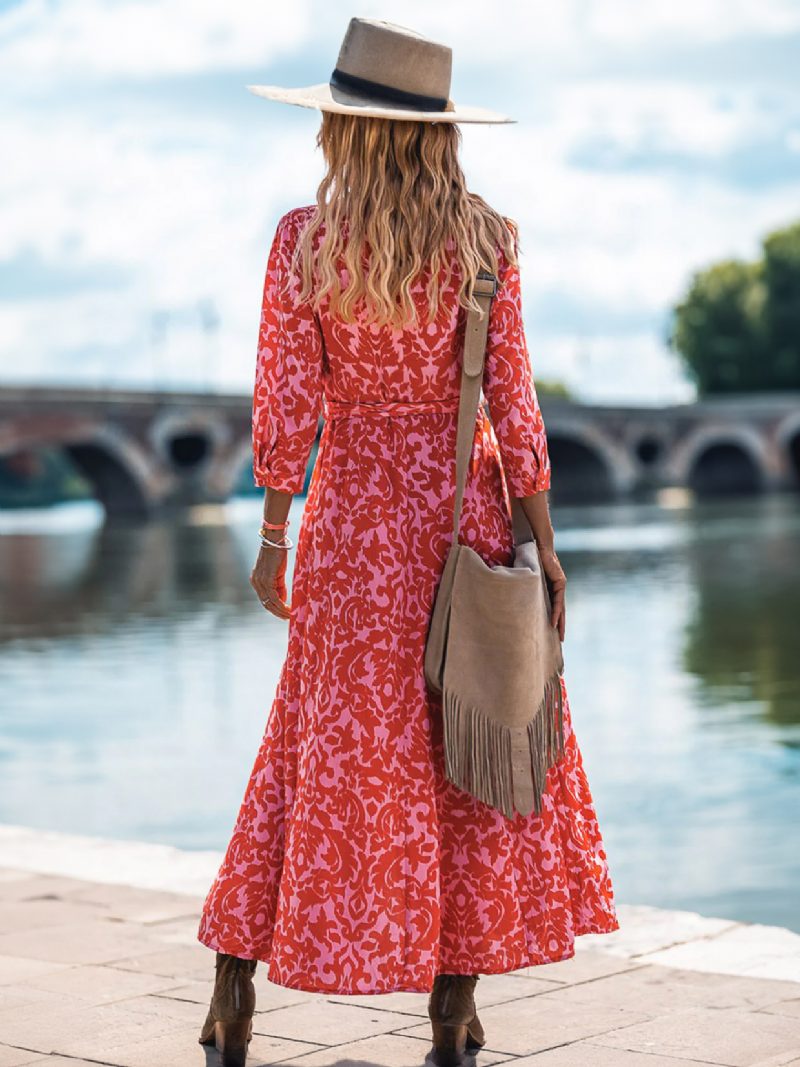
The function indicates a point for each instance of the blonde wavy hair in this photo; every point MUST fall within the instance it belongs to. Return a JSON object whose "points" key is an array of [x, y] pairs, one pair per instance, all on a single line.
{"points": [[396, 189]]}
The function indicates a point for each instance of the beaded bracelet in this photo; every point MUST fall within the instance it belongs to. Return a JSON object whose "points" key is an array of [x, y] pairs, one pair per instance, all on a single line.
{"points": [[274, 525]]}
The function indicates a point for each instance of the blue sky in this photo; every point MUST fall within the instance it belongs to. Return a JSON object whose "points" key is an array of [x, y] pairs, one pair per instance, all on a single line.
{"points": [[141, 183]]}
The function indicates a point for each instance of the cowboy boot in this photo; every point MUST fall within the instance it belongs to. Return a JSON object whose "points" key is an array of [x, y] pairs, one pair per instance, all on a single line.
{"points": [[475, 1036], [456, 1027], [229, 1023]]}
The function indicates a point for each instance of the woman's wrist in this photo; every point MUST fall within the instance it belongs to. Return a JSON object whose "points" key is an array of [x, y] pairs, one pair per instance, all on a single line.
{"points": [[275, 534]]}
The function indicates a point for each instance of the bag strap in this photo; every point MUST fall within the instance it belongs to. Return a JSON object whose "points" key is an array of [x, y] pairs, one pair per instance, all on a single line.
{"points": [[472, 363]]}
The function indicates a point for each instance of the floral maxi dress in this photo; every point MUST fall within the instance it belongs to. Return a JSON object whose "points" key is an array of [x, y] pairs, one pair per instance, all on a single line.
{"points": [[354, 865]]}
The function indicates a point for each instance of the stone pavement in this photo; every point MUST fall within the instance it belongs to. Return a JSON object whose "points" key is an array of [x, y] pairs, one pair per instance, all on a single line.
{"points": [[100, 973]]}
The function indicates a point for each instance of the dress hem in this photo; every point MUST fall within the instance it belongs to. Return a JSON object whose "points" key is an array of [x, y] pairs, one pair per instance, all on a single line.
{"points": [[216, 944]]}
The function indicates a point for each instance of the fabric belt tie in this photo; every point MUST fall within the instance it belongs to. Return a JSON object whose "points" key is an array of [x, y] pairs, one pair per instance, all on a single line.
{"points": [[337, 408]]}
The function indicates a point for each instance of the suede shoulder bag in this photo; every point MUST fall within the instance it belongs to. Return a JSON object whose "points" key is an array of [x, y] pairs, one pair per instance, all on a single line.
{"points": [[491, 652]]}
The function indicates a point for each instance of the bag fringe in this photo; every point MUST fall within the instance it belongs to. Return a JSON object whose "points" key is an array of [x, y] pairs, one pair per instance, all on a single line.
{"points": [[478, 749]]}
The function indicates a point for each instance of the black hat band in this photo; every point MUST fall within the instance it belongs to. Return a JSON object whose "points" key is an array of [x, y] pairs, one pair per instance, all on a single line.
{"points": [[351, 82]]}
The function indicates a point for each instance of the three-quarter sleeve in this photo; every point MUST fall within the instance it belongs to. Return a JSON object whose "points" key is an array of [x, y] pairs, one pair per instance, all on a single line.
{"points": [[510, 391], [287, 399]]}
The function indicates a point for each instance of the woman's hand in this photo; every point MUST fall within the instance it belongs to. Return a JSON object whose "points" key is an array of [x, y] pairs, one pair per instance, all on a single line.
{"points": [[268, 578], [557, 581]]}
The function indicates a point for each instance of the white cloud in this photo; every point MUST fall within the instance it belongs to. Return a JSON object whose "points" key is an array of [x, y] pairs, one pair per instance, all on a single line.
{"points": [[573, 29], [662, 116], [45, 41], [186, 224], [629, 22], [176, 205], [144, 38], [635, 369]]}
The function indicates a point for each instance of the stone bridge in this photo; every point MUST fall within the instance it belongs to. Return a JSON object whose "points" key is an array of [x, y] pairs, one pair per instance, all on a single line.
{"points": [[149, 452]]}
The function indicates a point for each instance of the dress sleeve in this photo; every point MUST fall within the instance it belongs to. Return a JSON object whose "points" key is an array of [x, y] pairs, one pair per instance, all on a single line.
{"points": [[287, 399], [510, 391]]}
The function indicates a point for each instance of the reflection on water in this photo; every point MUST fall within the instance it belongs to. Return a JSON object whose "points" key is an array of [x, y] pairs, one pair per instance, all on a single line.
{"points": [[137, 669]]}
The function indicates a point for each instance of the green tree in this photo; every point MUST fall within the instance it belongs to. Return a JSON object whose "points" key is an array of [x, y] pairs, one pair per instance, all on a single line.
{"points": [[738, 327], [782, 306], [552, 387]]}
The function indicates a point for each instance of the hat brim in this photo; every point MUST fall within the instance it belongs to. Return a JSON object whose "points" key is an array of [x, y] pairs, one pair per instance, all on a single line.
{"points": [[326, 98]]}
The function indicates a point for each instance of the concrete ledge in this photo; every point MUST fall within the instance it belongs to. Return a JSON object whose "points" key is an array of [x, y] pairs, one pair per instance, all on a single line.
{"points": [[96, 859]]}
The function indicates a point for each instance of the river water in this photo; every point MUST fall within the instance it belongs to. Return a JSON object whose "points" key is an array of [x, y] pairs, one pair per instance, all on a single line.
{"points": [[137, 670]]}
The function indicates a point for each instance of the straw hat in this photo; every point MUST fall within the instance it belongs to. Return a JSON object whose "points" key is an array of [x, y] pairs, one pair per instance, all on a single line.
{"points": [[386, 71]]}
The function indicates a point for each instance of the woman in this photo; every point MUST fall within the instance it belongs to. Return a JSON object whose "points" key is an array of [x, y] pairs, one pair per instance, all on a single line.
{"points": [[355, 866]]}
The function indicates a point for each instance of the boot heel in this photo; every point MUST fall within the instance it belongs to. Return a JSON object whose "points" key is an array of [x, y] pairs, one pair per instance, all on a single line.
{"points": [[450, 1043], [232, 1041], [475, 1035], [229, 1023]]}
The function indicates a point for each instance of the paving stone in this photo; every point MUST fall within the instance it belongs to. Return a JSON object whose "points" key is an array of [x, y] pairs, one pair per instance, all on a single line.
{"points": [[411, 1004], [182, 1012], [777, 1061], [181, 1049], [161, 1048], [61, 1061], [182, 961], [734, 1037], [328, 1024], [64, 1061], [139, 905], [388, 1050], [523, 1027], [22, 885], [659, 990], [17, 997], [587, 1054], [496, 988], [270, 1050], [14, 969], [181, 931], [491, 989], [77, 1029], [270, 996], [86, 942], [790, 1006], [133, 1041], [195, 992], [584, 966], [15, 1057], [120, 903], [99, 985], [39, 914]]}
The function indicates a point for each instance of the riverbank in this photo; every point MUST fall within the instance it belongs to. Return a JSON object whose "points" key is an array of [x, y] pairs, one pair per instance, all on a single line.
{"points": [[99, 964]]}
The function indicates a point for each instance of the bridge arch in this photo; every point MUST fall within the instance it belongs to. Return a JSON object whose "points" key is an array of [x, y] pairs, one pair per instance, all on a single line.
{"points": [[187, 441], [722, 461], [586, 465], [117, 469]]}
